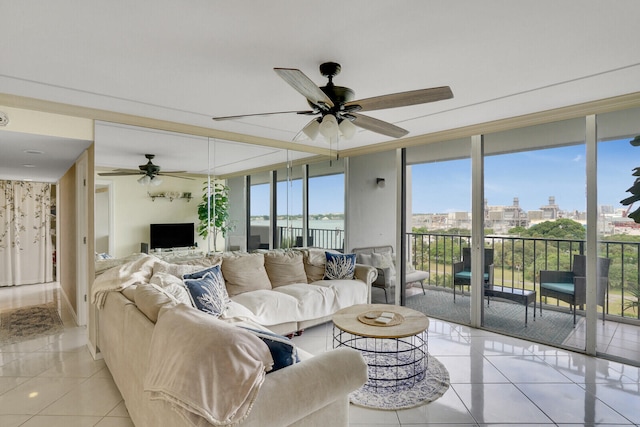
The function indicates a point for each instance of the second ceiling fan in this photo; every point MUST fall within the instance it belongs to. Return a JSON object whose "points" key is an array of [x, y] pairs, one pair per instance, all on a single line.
{"points": [[338, 111]]}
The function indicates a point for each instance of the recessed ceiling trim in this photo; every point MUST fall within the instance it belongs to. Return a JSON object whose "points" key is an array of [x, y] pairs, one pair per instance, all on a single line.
{"points": [[133, 120], [602, 106]]}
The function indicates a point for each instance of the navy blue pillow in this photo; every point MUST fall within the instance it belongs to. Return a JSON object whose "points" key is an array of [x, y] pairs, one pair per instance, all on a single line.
{"points": [[283, 352], [339, 266], [207, 290]]}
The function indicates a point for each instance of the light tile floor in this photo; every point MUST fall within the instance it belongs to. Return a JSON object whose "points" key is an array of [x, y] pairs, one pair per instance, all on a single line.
{"points": [[495, 380]]}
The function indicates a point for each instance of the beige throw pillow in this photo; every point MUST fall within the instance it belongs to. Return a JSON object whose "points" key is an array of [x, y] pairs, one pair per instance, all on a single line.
{"points": [[150, 299], [285, 268], [245, 273], [314, 260]]}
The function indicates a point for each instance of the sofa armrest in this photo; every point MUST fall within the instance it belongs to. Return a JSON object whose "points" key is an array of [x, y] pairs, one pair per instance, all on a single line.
{"points": [[292, 393], [366, 273]]}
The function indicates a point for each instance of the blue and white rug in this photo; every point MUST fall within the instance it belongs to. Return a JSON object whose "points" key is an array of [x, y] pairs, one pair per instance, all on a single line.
{"points": [[432, 385]]}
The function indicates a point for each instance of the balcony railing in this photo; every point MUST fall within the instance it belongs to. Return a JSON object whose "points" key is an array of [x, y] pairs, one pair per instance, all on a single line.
{"points": [[318, 237], [518, 261]]}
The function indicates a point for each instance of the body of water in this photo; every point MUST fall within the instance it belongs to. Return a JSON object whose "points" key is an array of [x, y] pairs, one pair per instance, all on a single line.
{"points": [[328, 224]]}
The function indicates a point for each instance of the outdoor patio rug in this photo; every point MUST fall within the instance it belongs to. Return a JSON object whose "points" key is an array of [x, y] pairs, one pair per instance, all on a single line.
{"points": [[432, 385], [500, 316], [29, 322]]}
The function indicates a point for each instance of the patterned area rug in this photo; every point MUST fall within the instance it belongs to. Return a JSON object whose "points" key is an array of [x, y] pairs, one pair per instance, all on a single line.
{"points": [[430, 386], [500, 316], [29, 322]]}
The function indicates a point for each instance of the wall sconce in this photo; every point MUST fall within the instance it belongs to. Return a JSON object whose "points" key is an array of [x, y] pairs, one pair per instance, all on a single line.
{"points": [[380, 182]]}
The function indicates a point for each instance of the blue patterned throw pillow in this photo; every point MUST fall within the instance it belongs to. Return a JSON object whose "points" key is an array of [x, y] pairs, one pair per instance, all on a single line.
{"points": [[283, 351], [339, 266], [207, 290]]}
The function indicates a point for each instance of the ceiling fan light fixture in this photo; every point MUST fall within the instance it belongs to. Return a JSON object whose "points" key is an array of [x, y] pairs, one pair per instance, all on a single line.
{"points": [[311, 129], [347, 129], [156, 180], [144, 180], [329, 126]]}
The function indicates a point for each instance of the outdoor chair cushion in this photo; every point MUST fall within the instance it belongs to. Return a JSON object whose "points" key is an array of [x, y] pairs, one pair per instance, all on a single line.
{"points": [[565, 288], [466, 275]]}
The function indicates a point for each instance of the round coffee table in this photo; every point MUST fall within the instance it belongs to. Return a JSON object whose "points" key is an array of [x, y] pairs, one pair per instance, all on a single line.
{"points": [[395, 352]]}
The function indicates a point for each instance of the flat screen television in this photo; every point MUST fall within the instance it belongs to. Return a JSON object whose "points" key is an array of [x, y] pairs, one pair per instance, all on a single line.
{"points": [[176, 235]]}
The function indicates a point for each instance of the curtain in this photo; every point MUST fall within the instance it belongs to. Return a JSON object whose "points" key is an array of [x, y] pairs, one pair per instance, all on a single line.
{"points": [[25, 233]]}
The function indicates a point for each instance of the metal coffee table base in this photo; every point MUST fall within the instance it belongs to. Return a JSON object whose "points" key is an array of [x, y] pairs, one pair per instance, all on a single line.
{"points": [[394, 363]]}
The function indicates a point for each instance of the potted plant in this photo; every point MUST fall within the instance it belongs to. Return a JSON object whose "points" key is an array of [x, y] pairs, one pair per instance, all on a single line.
{"points": [[213, 212]]}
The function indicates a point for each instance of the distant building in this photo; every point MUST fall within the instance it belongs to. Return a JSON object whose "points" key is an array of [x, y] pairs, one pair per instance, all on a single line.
{"points": [[550, 211], [503, 218], [535, 216]]}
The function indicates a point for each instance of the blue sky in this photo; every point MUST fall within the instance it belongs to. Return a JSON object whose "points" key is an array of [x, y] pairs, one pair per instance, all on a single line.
{"points": [[532, 176], [326, 195]]}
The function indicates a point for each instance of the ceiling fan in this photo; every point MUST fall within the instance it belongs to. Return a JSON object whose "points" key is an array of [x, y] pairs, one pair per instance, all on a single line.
{"points": [[338, 112], [149, 171]]}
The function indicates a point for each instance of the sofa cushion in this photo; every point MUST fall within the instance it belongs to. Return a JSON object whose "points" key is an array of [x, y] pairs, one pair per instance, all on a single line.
{"points": [[339, 266], [285, 268], [282, 349], [245, 273], [207, 290], [312, 302], [150, 299], [268, 307], [346, 292], [173, 285]]}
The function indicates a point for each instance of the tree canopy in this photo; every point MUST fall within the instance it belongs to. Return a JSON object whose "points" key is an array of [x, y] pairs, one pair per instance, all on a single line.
{"points": [[559, 229]]}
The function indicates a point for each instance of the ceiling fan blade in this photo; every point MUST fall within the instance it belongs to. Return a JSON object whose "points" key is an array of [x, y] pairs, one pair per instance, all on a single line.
{"points": [[304, 85], [121, 173], [175, 176], [378, 126], [263, 114], [403, 99]]}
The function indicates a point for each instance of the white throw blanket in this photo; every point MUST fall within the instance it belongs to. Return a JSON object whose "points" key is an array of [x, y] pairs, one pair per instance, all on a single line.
{"points": [[208, 370], [118, 278]]}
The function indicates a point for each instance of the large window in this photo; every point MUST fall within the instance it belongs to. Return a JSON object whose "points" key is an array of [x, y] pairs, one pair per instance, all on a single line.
{"points": [[260, 211], [326, 205], [535, 219], [618, 233], [289, 207], [438, 226]]}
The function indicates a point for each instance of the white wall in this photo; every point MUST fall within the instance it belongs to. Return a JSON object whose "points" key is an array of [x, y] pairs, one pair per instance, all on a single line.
{"points": [[134, 210], [371, 211]]}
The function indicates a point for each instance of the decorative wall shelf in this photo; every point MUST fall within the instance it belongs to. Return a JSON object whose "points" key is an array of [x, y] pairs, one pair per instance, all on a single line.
{"points": [[171, 195]]}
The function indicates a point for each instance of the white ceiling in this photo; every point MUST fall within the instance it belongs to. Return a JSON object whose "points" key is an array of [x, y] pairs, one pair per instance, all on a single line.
{"points": [[187, 61]]}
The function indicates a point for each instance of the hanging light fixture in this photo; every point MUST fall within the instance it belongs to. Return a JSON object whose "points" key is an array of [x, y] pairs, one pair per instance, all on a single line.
{"points": [[144, 180], [347, 129], [156, 180], [311, 129], [329, 126]]}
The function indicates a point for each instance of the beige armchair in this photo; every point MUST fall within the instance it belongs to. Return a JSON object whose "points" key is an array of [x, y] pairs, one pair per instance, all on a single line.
{"points": [[382, 258]]}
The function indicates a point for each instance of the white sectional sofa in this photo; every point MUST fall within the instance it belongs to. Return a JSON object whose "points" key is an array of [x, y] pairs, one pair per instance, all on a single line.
{"points": [[138, 303]]}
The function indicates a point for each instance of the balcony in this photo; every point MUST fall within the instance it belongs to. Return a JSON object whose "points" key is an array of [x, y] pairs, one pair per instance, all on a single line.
{"points": [[517, 263]]}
